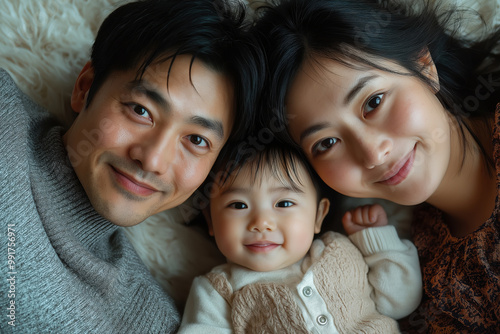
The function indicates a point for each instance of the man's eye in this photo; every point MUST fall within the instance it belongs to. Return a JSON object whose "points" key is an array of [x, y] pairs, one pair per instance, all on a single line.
{"points": [[373, 103], [140, 110], [324, 145], [198, 141], [284, 204], [238, 205]]}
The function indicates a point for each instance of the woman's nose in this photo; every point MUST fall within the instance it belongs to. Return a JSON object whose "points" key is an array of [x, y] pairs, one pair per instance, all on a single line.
{"points": [[375, 149]]}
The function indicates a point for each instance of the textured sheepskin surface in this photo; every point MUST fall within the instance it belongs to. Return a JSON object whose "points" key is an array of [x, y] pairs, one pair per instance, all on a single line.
{"points": [[45, 43]]}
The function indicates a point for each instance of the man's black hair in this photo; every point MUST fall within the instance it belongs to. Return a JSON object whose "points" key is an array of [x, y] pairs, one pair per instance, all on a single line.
{"points": [[139, 34]]}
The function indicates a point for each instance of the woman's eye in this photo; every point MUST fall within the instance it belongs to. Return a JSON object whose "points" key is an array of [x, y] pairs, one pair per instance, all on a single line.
{"points": [[238, 205], [324, 145], [198, 141], [373, 103], [284, 204]]}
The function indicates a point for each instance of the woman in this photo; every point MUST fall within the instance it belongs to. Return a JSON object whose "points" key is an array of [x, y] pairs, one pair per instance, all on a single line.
{"points": [[386, 103]]}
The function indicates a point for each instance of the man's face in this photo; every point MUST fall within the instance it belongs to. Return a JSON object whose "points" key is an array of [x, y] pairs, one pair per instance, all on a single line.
{"points": [[141, 147]]}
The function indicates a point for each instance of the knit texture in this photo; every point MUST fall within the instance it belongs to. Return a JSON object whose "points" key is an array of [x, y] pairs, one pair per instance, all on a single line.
{"points": [[261, 308], [353, 309], [340, 274], [74, 271]]}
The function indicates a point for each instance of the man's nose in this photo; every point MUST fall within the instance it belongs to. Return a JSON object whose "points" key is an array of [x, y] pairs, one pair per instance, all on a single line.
{"points": [[155, 152]]}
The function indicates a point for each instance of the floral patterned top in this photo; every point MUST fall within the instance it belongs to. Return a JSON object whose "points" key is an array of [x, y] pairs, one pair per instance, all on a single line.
{"points": [[461, 275]]}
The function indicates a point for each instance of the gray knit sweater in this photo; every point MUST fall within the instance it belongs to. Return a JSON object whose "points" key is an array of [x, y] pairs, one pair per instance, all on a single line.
{"points": [[63, 268]]}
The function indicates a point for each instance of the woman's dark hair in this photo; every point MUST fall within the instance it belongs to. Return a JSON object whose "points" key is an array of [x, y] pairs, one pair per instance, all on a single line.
{"points": [[215, 32], [279, 159], [353, 31]]}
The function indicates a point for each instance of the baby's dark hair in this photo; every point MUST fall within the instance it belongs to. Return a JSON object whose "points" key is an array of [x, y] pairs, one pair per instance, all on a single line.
{"points": [[280, 159]]}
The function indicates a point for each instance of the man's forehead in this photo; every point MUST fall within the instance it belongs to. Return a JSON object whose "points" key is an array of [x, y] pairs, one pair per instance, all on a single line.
{"points": [[162, 66]]}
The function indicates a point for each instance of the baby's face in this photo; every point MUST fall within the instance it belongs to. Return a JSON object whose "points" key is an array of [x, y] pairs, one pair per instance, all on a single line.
{"points": [[263, 223]]}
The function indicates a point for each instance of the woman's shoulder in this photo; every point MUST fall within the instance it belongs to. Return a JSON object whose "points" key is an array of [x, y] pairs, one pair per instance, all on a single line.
{"points": [[433, 238]]}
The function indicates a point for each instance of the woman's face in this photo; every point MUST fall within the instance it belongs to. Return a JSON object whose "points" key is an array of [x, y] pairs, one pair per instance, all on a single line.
{"points": [[371, 133]]}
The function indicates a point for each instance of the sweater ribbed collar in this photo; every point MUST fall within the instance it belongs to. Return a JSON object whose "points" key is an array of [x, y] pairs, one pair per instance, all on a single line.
{"points": [[67, 214]]}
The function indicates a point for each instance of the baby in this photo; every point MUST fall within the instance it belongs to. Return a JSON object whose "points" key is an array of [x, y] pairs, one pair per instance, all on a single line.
{"points": [[280, 279]]}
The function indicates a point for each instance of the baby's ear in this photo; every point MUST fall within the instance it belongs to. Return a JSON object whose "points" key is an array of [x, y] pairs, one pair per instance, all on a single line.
{"points": [[429, 70], [323, 208]]}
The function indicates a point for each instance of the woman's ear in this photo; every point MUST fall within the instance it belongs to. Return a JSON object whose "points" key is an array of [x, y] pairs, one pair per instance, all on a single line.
{"points": [[428, 69], [323, 208], [81, 88]]}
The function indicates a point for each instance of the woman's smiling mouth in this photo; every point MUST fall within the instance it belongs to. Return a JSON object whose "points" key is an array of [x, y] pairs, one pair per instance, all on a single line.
{"points": [[400, 171]]}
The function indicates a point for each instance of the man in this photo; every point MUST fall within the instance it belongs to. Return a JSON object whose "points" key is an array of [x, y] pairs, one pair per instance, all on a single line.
{"points": [[168, 83]]}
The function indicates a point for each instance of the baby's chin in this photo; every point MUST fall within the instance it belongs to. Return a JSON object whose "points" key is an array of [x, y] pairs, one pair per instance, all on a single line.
{"points": [[267, 267]]}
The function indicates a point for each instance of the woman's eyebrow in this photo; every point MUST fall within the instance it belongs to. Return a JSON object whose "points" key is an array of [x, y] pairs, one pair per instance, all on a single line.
{"points": [[358, 87], [311, 130]]}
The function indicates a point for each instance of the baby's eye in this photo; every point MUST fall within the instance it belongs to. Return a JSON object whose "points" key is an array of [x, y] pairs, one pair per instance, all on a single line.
{"points": [[198, 141], [373, 103], [324, 145], [284, 204], [238, 205]]}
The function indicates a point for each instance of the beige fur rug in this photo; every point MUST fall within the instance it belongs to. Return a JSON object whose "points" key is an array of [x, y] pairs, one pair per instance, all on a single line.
{"points": [[44, 44]]}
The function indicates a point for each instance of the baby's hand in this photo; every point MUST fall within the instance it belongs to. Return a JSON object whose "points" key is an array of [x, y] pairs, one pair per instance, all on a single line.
{"points": [[364, 216]]}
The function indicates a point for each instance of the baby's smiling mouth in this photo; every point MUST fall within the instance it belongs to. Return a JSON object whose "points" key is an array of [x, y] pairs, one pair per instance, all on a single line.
{"points": [[263, 246]]}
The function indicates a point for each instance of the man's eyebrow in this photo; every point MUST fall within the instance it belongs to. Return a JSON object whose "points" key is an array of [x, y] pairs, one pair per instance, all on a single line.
{"points": [[142, 87], [311, 130], [357, 88], [209, 124]]}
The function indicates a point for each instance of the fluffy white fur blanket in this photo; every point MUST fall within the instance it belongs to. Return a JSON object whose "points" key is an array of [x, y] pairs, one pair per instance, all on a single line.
{"points": [[45, 43]]}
